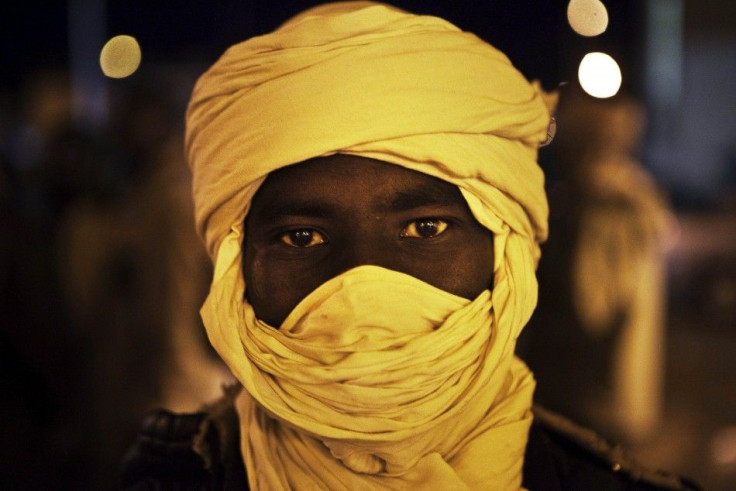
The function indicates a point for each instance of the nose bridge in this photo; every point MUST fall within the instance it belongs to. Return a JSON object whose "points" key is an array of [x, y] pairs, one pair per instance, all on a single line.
{"points": [[365, 247]]}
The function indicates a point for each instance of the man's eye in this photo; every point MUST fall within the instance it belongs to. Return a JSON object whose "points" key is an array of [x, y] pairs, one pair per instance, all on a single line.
{"points": [[305, 237], [424, 228]]}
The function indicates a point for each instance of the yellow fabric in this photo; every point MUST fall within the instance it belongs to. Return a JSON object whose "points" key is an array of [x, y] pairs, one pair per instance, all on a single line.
{"points": [[369, 80], [375, 379]]}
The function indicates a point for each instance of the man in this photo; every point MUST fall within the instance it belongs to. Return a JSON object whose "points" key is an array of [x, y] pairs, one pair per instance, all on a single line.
{"points": [[366, 183]]}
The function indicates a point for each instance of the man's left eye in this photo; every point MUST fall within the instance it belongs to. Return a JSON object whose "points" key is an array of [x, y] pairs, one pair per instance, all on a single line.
{"points": [[424, 228], [302, 238]]}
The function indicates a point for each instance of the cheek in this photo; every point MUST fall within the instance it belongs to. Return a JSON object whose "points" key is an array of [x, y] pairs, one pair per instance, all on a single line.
{"points": [[464, 269], [484, 272], [260, 284], [472, 270], [275, 286], [255, 279]]}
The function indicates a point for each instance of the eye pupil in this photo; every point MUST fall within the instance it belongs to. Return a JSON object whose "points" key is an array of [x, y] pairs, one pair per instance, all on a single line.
{"points": [[427, 228], [301, 238]]}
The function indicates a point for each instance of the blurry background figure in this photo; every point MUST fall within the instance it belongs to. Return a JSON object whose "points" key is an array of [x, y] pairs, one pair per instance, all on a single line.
{"points": [[43, 365], [146, 245], [102, 278], [603, 278], [134, 274], [618, 267]]}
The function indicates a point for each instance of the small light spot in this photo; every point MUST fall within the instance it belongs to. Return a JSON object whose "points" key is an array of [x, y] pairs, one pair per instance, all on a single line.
{"points": [[551, 132], [587, 17], [599, 75], [120, 57]]}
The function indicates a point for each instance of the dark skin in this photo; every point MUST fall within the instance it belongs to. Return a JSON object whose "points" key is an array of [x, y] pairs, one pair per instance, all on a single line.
{"points": [[311, 222]]}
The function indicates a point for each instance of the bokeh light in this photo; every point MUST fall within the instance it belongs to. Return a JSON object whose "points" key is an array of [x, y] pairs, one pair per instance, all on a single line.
{"points": [[599, 75], [120, 57], [587, 17]]}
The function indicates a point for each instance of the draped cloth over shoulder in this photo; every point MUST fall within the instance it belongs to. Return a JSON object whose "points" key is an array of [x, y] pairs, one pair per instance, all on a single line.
{"points": [[370, 80]]}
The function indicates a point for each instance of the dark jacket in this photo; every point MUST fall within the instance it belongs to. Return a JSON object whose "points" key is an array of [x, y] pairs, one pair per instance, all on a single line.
{"points": [[201, 451]]}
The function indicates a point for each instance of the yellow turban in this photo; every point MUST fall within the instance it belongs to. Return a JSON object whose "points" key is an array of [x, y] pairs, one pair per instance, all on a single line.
{"points": [[369, 80]]}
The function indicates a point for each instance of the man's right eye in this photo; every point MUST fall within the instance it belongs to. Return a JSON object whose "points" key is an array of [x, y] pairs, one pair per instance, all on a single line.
{"points": [[305, 237]]}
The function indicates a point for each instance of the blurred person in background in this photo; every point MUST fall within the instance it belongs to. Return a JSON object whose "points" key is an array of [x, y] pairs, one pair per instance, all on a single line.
{"points": [[134, 274], [602, 284], [43, 359], [102, 278]]}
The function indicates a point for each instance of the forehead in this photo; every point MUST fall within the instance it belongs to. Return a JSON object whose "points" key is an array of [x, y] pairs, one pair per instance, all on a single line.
{"points": [[346, 180]]}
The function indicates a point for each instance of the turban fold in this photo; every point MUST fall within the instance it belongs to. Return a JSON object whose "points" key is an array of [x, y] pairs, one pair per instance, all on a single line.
{"points": [[370, 80]]}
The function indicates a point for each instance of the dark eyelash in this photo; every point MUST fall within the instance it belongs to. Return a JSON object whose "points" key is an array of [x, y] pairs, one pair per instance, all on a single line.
{"points": [[278, 236], [448, 221]]}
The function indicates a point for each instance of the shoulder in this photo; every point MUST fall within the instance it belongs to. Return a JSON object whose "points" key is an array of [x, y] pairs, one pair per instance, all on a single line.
{"points": [[200, 451], [563, 455], [195, 451]]}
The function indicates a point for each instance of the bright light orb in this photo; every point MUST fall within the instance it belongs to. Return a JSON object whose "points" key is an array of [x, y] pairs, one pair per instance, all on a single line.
{"points": [[587, 17], [599, 75], [120, 57]]}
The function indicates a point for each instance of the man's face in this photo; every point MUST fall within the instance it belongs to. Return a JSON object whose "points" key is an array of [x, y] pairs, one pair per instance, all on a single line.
{"points": [[311, 222]]}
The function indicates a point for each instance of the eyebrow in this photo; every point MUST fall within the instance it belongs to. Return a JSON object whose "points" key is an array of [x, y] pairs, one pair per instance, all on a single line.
{"points": [[296, 208], [434, 194], [431, 194]]}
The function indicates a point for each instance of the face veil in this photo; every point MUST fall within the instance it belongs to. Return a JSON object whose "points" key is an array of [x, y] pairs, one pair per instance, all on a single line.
{"points": [[369, 80]]}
